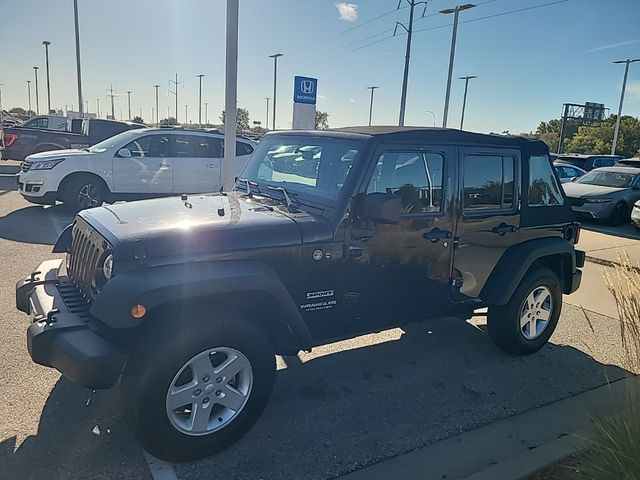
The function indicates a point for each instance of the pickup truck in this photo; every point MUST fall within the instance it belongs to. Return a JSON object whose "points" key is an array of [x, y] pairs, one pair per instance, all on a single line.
{"points": [[19, 142]]}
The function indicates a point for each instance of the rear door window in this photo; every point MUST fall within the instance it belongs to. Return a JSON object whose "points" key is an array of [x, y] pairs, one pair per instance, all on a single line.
{"points": [[489, 182]]}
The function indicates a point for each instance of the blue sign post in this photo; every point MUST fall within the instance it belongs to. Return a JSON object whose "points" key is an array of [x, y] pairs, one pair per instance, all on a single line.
{"points": [[305, 90]]}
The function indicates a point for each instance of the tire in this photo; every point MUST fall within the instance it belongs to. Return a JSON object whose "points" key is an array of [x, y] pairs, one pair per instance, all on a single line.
{"points": [[83, 191], [153, 373], [620, 214], [505, 323]]}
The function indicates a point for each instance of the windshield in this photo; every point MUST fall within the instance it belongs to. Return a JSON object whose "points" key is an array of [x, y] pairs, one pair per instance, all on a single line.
{"points": [[308, 165], [114, 142], [607, 179]]}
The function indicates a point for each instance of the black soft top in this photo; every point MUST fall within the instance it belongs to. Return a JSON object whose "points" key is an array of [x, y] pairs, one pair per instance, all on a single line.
{"points": [[393, 134]]}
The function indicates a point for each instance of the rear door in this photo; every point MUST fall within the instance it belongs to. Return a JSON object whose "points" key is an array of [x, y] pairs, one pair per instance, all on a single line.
{"points": [[148, 170], [489, 213], [197, 163]]}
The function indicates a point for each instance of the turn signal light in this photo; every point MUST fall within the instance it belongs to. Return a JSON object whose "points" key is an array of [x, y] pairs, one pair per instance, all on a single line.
{"points": [[138, 310]]}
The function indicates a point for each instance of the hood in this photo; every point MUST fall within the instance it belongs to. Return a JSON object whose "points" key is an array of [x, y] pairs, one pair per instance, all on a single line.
{"points": [[578, 190], [57, 154], [200, 225]]}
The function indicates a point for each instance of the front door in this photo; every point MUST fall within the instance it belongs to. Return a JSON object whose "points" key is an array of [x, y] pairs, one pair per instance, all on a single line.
{"points": [[397, 271], [490, 219], [197, 163], [148, 170]]}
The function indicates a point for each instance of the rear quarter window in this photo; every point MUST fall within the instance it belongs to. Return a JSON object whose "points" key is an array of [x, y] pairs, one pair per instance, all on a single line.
{"points": [[543, 186]]}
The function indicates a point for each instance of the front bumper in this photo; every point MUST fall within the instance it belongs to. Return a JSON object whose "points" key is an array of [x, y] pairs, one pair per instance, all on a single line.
{"points": [[63, 334], [635, 215], [36, 190], [576, 275], [594, 211]]}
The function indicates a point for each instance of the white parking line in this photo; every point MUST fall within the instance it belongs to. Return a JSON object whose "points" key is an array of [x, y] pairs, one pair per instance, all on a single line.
{"points": [[160, 470]]}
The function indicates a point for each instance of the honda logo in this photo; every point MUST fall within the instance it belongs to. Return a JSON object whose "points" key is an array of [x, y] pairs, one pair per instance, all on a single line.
{"points": [[306, 86]]}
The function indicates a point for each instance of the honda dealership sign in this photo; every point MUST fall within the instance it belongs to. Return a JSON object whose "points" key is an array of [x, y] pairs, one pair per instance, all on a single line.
{"points": [[304, 102]]}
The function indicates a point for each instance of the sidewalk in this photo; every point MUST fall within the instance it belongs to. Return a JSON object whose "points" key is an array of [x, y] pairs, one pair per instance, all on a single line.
{"points": [[605, 247]]}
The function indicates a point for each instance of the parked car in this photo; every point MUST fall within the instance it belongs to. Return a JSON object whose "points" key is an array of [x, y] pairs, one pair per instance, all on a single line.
{"points": [[635, 215], [131, 165], [47, 122], [588, 162], [20, 142], [567, 172], [629, 162], [189, 298], [605, 193]]}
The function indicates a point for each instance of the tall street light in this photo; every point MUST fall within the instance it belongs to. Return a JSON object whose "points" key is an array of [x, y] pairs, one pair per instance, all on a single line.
{"points": [[129, 103], [464, 100], [266, 124], [275, 79], [29, 92], [157, 110], [200, 101], [624, 86], [456, 11], [371, 103], [206, 113], [230, 96], [35, 72], [78, 74], [46, 56]]}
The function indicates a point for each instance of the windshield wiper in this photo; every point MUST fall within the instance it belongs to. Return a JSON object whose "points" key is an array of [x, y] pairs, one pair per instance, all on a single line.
{"points": [[286, 196], [249, 183]]}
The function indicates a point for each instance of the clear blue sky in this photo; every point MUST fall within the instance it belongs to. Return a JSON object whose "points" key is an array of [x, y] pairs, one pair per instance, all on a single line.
{"points": [[528, 63]]}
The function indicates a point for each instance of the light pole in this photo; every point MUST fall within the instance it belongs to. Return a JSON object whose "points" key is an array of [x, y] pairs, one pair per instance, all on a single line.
{"points": [[35, 71], [186, 114], [157, 110], [29, 92], [200, 100], [78, 74], [97, 108], [371, 103], [275, 78], [266, 124], [230, 96], [464, 100], [434, 117], [206, 113], [46, 57], [456, 11], [129, 103], [627, 62]]}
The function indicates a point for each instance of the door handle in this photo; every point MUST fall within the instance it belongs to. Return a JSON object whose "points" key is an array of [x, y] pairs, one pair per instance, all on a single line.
{"points": [[164, 165], [436, 234], [503, 229]]}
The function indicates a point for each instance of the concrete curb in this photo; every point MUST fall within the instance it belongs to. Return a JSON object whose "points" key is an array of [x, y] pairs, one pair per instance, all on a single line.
{"points": [[512, 448]]}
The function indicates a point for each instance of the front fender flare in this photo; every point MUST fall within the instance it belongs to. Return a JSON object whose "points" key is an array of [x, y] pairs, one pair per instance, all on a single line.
{"points": [[155, 286]]}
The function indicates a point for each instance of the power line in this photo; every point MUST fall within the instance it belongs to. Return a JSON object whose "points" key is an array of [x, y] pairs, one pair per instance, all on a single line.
{"points": [[382, 15]]}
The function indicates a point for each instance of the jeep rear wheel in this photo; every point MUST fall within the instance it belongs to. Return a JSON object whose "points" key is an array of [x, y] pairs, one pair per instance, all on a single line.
{"points": [[188, 402], [527, 321]]}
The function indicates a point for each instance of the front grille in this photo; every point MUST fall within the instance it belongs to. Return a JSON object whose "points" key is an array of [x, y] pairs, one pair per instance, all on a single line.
{"points": [[26, 165], [575, 202], [87, 252], [75, 301]]}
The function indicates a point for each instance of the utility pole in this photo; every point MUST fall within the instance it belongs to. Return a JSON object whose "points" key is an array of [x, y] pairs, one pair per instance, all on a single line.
{"points": [[111, 95], [627, 62], [97, 108], [405, 77], [129, 102], [275, 57], [456, 11], [75, 13], [371, 103], [46, 56], [266, 124], [29, 92], [206, 113], [200, 101], [464, 100], [176, 84], [230, 96], [157, 109], [186, 114], [35, 71]]}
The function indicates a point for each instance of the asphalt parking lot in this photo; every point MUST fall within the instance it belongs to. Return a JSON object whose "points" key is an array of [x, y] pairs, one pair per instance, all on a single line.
{"points": [[338, 409]]}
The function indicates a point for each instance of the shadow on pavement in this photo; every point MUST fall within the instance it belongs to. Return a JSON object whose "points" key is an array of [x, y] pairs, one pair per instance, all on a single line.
{"points": [[624, 231], [33, 224], [332, 414]]}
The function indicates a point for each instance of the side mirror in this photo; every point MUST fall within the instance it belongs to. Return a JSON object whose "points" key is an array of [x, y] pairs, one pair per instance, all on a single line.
{"points": [[124, 153], [574, 179], [381, 208]]}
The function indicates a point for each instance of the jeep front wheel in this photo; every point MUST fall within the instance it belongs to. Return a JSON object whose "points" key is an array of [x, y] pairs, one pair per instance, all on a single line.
{"points": [[527, 321], [198, 390]]}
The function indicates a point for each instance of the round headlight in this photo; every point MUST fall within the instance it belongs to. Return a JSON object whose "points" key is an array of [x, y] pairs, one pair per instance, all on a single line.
{"points": [[107, 267]]}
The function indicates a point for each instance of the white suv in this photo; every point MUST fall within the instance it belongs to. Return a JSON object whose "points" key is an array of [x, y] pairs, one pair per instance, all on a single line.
{"points": [[134, 164]]}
